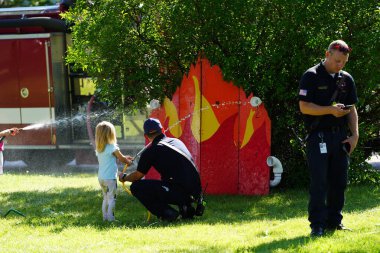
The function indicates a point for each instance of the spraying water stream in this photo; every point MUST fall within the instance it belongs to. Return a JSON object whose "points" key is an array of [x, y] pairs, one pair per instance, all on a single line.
{"points": [[67, 121], [80, 119], [154, 104]]}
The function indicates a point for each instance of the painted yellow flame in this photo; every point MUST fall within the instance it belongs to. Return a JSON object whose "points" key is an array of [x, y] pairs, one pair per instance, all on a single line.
{"points": [[249, 130], [172, 114], [210, 123]]}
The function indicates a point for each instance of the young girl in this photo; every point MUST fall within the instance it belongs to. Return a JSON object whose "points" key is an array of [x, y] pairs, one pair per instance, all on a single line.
{"points": [[107, 151], [3, 134]]}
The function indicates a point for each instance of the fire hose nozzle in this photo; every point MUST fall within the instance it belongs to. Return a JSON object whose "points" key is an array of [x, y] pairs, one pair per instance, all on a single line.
{"points": [[14, 130]]}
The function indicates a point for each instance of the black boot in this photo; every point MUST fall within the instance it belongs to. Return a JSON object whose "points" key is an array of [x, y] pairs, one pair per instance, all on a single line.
{"points": [[187, 211], [317, 232], [170, 215]]}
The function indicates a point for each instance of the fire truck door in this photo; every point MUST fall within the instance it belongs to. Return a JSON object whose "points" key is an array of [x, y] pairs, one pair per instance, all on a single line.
{"points": [[26, 86], [35, 82], [9, 90]]}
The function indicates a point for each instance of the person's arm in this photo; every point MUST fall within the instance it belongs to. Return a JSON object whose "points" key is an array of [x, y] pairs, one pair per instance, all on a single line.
{"points": [[143, 167], [132, 177], [5, 132], [11, 131], [317, 110], [353, 124], [124, 159]]}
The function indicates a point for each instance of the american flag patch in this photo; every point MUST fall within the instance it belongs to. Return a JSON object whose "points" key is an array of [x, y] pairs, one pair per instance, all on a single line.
{"points": [[303, 92]]}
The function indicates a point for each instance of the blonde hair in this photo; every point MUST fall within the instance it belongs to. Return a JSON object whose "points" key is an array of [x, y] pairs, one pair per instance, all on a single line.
{"points": [[105, 133]]}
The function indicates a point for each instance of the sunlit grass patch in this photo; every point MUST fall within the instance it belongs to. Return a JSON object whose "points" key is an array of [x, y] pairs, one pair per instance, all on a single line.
{"points": [[63, 214]]}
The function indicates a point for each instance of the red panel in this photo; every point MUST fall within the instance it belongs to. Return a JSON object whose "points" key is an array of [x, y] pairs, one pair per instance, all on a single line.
{"points": [[10, 91], [219, 154], [32, 72], [219, 160], [23, 64], [33, 75], [254, 148], [253, 171]]}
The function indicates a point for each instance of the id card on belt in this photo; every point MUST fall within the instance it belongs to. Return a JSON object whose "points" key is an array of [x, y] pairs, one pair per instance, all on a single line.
{"points": [[323, 147]]}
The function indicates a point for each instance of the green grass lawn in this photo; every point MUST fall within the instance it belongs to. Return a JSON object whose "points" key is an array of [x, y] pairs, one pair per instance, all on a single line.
{"points": [[63, 214]]}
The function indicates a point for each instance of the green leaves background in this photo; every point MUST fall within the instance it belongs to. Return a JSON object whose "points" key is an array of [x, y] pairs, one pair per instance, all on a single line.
{"points": [[141, 50]]}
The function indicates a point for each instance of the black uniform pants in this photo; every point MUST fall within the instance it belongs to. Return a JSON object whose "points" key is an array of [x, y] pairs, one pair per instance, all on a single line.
{"points": [[157, 196], [328, 177]]}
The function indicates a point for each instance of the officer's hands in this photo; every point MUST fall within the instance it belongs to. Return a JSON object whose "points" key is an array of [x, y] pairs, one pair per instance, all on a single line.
{"points": [[121, 177], [353, 141], [129, 159], [338, 111]]}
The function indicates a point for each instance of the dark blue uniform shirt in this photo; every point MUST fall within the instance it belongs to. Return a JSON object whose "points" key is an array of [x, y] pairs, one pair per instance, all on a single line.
{"points": [[317, 86], [172, 166]]}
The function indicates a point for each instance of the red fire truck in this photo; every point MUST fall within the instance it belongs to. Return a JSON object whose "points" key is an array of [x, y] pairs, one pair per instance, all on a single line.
{"points": [[37, 87]]}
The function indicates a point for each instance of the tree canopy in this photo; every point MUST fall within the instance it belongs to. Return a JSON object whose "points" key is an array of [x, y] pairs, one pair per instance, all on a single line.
{"points": [[141, 49]]}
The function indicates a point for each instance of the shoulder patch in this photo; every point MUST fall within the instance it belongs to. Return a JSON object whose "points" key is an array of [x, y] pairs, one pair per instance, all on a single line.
{"points": [[302, 92]]}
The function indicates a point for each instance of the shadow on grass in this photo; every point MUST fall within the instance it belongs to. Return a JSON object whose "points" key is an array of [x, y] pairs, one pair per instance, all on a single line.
{"points": [[73, 207], [284, 245], [282, 204]]}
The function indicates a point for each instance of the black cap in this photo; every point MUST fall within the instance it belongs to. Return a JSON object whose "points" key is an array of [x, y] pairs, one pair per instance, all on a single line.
{"points": [[152, 125]]}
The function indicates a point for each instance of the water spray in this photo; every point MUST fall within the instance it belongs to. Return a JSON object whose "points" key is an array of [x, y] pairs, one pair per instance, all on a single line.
{"points": [[34, 126]]}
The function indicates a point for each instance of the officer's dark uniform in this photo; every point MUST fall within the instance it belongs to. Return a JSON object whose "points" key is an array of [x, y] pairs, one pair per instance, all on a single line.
{"points": [[328, 168], [180, 182]]}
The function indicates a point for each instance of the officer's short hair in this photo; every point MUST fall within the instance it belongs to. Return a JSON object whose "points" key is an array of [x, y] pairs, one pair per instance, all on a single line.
{"points": [[340, 46]]}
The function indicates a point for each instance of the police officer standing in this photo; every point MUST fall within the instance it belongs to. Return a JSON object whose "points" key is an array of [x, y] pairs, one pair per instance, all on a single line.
{"points": [[180, 183], [327, 95]]}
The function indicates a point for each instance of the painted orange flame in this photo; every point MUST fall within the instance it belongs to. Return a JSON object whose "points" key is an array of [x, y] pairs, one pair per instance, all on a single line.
{"points": [[229, 139]]}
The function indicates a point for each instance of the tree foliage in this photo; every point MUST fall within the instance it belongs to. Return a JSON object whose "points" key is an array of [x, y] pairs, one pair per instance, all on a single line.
{"points": [[141, 49]]}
